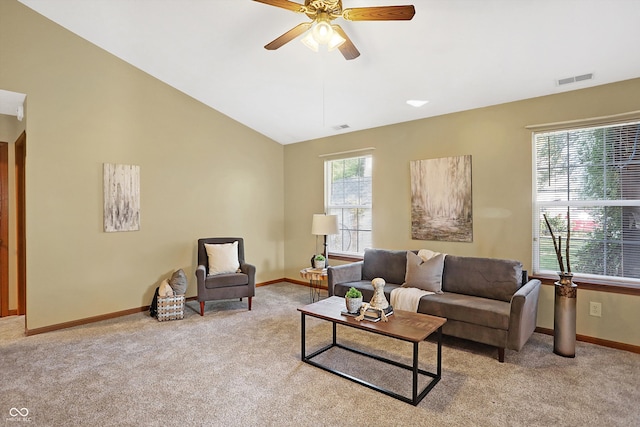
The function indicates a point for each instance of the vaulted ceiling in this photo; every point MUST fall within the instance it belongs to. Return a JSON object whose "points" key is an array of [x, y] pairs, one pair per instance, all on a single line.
{"points": [[456, 54]]}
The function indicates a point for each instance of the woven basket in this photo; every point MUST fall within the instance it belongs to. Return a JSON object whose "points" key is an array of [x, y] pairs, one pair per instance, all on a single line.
{"points": [[170, 308]]}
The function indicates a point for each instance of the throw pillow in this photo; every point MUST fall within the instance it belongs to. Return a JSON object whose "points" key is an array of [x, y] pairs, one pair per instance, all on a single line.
{"points": [[178, 282], [223, 258], [425, 275], [165, 290]]}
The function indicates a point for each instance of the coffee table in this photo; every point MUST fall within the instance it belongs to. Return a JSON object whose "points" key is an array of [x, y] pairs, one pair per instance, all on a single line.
{"points": [[402, 325]]}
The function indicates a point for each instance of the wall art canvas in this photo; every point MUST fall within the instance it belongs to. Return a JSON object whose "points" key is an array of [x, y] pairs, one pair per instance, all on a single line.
{"points": [[121, 197], [441, 199]]}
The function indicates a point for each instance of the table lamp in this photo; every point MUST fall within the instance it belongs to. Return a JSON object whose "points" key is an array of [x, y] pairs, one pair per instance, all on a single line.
{"points": [[323, 225]]}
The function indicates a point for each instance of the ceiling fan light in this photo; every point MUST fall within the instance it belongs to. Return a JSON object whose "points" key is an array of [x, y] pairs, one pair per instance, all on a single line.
{"points": [[336, 41], [322, 32], [310, 42]]}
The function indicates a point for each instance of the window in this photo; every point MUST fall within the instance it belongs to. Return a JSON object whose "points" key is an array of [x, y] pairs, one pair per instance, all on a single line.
{"points": [[594, 175], [348, 195]]}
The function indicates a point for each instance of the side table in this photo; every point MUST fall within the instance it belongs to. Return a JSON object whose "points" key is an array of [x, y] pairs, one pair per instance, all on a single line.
{"points": [[315, 276]]}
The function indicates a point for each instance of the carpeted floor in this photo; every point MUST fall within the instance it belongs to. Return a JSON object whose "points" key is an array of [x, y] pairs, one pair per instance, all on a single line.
{"points": [[238, 367]]}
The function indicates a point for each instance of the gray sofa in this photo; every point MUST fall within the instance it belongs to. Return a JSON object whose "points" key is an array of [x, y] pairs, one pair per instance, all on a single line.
{"points": [[487, 300]]}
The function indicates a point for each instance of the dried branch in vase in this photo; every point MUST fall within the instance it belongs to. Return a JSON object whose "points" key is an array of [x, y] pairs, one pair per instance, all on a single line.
{"points": [[557, 244], [568, 238]]}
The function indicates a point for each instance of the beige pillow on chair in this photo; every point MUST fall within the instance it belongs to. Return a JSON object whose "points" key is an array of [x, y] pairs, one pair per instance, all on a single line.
{"points": [[223, 258]]}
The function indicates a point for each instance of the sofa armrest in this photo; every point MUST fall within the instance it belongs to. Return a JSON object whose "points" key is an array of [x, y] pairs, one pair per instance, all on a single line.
{"points": [[201, 275], [343, 273], [249, 270], [524, 314]]}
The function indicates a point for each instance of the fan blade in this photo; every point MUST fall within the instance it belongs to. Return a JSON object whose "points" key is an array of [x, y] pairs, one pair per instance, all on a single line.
{"points": [[347, 48], [285, 4], [288, 36], [381, 13]]}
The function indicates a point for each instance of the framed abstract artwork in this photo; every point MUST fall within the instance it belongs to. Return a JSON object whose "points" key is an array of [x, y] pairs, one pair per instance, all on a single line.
{"points": [[121, 197], [441, 199]]}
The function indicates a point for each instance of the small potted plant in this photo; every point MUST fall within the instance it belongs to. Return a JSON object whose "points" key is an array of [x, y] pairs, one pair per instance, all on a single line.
{"points": [[319, 261], [353, 299]]}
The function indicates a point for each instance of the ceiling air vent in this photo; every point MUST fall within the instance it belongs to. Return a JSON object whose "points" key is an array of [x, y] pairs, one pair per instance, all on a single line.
{"points": [[575, 79], [341, 127]]}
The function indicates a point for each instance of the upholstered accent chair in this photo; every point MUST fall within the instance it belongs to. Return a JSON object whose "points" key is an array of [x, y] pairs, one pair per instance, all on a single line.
{"points": [[218, 278]]}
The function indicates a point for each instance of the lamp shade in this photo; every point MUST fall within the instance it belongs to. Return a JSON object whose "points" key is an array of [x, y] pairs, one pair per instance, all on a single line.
{"points": [[310, 42], [336, 41], [323, 225], [322, 32]]}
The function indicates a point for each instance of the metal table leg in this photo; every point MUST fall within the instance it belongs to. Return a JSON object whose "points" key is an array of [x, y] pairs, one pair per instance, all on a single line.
{"points": [[416, 395], [302, 349]]}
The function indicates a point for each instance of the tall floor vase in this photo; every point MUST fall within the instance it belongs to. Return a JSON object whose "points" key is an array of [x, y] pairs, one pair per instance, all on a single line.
{"points": [[564, 316]]}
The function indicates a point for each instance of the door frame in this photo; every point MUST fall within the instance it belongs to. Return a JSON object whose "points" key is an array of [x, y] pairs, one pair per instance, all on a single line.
{"points": [[21, 234], [4, 229]]}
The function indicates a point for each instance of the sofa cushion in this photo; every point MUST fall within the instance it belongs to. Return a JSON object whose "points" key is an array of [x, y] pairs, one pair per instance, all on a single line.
{"points": [[475, 310], [387, 264], [425, 275], [497, 279], [226, 280]]}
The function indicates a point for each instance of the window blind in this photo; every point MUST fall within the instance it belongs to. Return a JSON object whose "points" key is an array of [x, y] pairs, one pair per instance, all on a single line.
{"points": [[587, 182]]}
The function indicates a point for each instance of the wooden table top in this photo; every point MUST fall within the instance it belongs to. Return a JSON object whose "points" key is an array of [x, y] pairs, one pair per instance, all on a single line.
{"points": [[404, 325], [314, 273]]}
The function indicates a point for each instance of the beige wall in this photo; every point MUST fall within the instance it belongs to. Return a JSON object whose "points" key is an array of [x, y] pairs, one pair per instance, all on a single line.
{"points": [[202, 174], [501, 155]]}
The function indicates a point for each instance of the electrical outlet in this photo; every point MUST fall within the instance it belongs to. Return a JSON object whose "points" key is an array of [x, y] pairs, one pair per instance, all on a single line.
{"points": [[595, 309]]}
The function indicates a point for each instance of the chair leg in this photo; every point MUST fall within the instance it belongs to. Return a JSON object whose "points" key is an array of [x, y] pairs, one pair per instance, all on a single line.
{"points": [[201, 308], [249, 303], [501, 354]]}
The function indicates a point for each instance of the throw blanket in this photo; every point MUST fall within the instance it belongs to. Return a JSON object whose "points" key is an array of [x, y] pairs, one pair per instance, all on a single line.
{"points": [[427, 254], [407, 299]]}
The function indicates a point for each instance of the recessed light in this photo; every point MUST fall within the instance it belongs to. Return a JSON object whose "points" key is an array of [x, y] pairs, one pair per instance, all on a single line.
{"points": [[416, 102]]}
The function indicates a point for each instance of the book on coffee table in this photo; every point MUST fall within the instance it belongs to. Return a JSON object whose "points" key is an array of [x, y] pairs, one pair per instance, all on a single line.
{"points": [[370, 315]]}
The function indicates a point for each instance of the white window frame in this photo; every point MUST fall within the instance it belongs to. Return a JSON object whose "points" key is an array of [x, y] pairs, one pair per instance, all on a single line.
{"points": [[330, 209], [538, 205]]}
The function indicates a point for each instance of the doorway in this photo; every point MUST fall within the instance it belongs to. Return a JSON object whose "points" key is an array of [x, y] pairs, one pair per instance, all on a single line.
{"points": [[5, 212]]}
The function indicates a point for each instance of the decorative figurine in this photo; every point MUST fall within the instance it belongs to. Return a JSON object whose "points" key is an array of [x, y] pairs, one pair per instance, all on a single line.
{"points": [[379, 301]]}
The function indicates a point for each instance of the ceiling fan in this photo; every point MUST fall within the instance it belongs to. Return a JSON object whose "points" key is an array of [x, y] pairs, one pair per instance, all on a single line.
{"points": [[322, 13]]}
